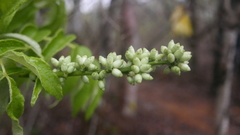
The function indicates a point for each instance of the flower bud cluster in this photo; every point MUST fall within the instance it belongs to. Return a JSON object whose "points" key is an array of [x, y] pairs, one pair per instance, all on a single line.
{"points": [[138, 66], [177, 57]]}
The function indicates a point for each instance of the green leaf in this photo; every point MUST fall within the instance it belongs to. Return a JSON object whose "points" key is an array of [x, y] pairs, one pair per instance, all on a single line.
{"points": [[3, 96], [26, 14], [16, 105], [81, 97], [10, 44], [8, 8], [41, 69], [31, 31], [16, 128], [36, 91], [58, 42], [96, 97], [56, 15], [33, 44]]}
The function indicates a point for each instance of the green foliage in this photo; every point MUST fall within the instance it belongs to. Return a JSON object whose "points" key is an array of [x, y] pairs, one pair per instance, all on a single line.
{"points": [[26, 49]]}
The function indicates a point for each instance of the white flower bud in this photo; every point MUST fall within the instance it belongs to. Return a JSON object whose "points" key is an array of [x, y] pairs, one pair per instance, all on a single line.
{"points": [[136, 61], [85, 79], [175, 48], [153, 54], [144, 60], [55, 70], [178, 54], [138, 78], [55, 62], [64, 67], [135, 68], [61, 59], [164, 49], [67, 59], [145, 67], [146, 76], [95, 75], [92, 67], [70, 69], [171, 58], [186, 56], [146, 51], [171, 44], [159, 56], [139, 52], [129, 55], [103, 61], [184, 67], [118, 57], [102, 74], [131, 73], [130, 80], [81, 59], [101, 85], [117, 63], [89, 61], [131, 50], [116, 72]]}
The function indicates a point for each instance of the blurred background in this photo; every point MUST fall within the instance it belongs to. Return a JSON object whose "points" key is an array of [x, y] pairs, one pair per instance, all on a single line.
{"points": [[205, 101]]}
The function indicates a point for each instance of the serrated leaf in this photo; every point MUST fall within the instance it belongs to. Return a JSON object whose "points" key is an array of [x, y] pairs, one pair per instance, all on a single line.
{"points": [[4, 90], [33, 44], [8, 8], [10, 44], [81, 97], [16, 105], [36, 91], [31, 31], [41, 69], [58, 42]]}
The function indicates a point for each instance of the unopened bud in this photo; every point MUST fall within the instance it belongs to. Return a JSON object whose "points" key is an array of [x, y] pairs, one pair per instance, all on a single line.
{"points": [[184, 67], [176, 70], [130, 80], [103, 61], [138, 78], [164, 49], [145, 67], [117, 63], [129, 55], [171, 44], [102, 74], [92, 67], [171, 58], [55, 62], [178, 54], [186, 56], [101, 85], [146, 76], [153, 54], [136, 61], [85, 79], [95, 75], [67, 59], [135, 68], [116, 72]]}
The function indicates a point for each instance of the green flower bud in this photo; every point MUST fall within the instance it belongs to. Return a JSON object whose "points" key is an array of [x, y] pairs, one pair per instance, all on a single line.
{"points": [[131, 50], [135, 68], [92, 67], [85, 79], [167, 70], [102, 74], [144, 60], [178, 54], [55, 62], [184, 67], [186, 56], [67, 59], [130, 80], [139, 52], [164, 49], [101, 85], [95, 75], [117, 63], [138, 78], [153, 54], [176, 70], [145, 67], [129, 55], [171, 44], [159, 56], [136, 61], [116, 72], [103, 61], [170, 58], [146, 76], [175, 48]]}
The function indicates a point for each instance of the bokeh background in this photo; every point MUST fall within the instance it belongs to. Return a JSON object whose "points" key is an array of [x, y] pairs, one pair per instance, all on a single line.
{"points": [[205, 101]]}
